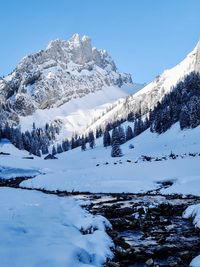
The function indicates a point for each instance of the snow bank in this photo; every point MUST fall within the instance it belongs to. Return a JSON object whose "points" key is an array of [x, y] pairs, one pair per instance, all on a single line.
{"points": [[88, 171], [45, 230], [8, 173], [193, 212], [195, 262]]}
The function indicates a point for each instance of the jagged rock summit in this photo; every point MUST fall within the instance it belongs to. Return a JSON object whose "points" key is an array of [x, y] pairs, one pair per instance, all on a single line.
{"points": [[65, 70]]}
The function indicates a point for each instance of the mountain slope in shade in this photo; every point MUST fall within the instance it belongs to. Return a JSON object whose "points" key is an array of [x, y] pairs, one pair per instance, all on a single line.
{"points": [[146, 99], [65, 71]]}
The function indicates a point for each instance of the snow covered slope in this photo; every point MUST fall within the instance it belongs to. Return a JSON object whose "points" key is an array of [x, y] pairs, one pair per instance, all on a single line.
{"points": [[146, 99], [91, 173], [88, 171], [77, 114], [45, 230], [69, 80]]}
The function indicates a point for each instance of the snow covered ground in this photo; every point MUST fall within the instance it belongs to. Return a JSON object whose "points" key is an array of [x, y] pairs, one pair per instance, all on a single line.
{"points": [[45, 230], [76, 170], [78, 113], [7, 173], [193, 212]]}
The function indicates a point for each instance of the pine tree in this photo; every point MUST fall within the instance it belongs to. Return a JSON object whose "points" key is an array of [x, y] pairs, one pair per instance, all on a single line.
{"points": [[44, 149], [116, 150], [129, 133], [83, 144], [73, 143], [184, 118], [53, 150], [106, 139], [59, 148], [122, 137], [194, 111], [38, 153], [65, 145], [137, 126], [34, 128], [91, 139]]}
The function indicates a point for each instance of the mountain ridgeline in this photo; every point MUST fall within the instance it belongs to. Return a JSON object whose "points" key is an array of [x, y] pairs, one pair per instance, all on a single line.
{"points": [[144, 101], [67, 70], [64, 71]]}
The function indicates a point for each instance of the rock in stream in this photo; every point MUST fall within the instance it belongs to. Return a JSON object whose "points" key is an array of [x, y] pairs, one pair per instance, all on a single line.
{"points": [[148, 230]]}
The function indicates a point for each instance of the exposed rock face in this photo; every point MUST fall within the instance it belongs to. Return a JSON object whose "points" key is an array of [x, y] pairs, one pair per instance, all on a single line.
{"points": [[63, 71], [148, 230]]}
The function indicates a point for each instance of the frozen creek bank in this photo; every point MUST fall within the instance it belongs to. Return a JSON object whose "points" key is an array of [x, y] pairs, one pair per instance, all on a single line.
{"points": [[38, 229], [147, 229]]}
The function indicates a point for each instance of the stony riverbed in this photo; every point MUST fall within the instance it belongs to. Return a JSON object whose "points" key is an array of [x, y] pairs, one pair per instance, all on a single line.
{"points": [[147, 229]]}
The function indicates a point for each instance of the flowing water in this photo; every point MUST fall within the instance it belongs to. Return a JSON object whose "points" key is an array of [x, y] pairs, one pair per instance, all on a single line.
{"points": [[147, 229]]}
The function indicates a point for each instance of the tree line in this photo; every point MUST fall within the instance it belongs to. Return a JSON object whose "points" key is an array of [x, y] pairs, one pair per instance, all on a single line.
{"points": [[181, 105]]}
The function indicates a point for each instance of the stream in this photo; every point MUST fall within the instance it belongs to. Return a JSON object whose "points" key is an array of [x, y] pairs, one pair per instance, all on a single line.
{"points": [[147, 229]]}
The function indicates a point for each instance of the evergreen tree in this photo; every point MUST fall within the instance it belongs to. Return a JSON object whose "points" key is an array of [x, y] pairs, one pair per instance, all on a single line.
{"points": [[131, 117], [53, 150], [116, 150], [91, 139], [65, 145], [137, 126], [34, 128], [106, 139], [73, 143], [194, 111], [44, 149], [83, 144], [129, 133], [38, 153], [122, 137], [184, 118], [59, 148]]}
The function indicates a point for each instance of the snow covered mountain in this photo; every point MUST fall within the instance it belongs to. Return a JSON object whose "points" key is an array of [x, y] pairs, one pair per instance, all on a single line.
{"points": [[65, 72], [147, 98], [152, 163]]}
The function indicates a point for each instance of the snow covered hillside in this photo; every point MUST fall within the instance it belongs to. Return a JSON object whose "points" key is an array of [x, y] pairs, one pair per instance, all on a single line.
{"points": [[79, 88], [42, 230], [77, 114], [70, 82], [146, 99], [94, 170]]}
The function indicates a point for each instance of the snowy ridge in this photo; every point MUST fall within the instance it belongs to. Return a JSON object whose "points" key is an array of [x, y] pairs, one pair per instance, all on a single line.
{"points": [[65, 71], [78, 113], [146, 99]]}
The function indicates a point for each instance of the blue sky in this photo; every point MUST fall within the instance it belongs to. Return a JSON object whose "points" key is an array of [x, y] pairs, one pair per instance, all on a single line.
{"points": [[144, 37]]}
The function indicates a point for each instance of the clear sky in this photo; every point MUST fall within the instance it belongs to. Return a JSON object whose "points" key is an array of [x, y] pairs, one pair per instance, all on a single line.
{"points": [[144, 37]]}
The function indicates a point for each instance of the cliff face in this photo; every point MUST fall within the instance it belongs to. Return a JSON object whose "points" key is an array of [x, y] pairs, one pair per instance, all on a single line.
{"points": [[65, 70]]}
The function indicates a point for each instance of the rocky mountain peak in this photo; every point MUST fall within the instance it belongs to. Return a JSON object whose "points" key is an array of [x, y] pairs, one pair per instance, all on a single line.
{"points": [[66, 69], [81, 48]]}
